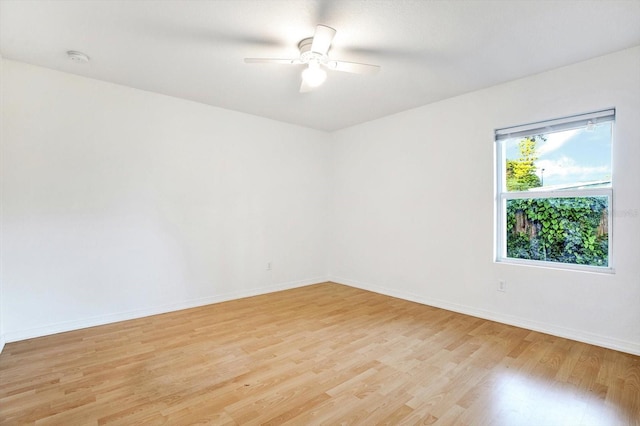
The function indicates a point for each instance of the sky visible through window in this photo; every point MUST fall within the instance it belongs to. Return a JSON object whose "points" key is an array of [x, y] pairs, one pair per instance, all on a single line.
{"points": [[571, 156]]}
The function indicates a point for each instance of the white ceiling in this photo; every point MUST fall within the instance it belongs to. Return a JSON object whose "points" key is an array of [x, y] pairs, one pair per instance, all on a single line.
{"points": [[428, 50]]}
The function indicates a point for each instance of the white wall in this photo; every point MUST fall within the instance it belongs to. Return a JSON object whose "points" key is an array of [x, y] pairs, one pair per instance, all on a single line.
{"points": [[413, 203], [2, 341], [120, 203]]}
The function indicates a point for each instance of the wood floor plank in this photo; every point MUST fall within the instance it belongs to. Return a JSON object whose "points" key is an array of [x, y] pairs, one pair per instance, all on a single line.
{"points": [[322, 354]]}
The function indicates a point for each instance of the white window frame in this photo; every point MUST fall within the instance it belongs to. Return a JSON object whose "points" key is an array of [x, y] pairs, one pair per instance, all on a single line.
{"points": [[502, 195]]}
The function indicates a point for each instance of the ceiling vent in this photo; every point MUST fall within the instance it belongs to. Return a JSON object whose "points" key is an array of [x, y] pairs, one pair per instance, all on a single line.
{"points": [[77, 56]]}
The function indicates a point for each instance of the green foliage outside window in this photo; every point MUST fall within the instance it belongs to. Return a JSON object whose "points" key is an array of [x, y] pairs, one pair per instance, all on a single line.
{"points": [[567, 230]]}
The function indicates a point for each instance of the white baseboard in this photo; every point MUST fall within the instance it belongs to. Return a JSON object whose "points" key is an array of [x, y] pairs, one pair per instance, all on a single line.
{"points": [[1, 343], [62, 327], [568, 333]]}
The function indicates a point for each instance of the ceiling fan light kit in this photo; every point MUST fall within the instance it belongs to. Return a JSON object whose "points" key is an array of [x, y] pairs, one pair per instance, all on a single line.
{"points": [[314, 76], [314, 53]]}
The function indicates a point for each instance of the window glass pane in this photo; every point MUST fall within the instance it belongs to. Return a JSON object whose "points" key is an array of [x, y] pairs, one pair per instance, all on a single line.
{"points": [[567, 230], [565, 160]]}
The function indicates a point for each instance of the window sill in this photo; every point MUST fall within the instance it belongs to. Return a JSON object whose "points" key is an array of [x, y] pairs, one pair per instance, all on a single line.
{"points": [[607, 270]]}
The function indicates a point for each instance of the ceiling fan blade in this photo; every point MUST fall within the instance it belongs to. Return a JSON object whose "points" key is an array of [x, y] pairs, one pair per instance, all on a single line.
{"points": [[272, 61], [322, 39], [353, 67]]}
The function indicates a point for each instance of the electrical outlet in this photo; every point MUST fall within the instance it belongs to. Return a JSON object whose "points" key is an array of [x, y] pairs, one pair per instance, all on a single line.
{"points": [[268, 266], [502, 285]]}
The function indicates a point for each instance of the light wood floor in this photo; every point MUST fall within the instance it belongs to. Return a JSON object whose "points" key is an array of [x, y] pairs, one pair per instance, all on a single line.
{"points": [[323, 354]]}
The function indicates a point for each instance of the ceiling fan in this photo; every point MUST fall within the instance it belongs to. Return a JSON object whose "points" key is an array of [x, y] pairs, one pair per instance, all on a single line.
{"points": [[314, 53]]}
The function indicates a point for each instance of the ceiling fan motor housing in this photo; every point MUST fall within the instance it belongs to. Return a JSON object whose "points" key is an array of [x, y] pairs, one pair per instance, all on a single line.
{"points": [[307, 55]]}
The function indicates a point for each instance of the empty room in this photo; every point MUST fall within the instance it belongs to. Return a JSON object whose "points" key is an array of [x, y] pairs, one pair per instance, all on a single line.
{"points": [[243, 212]]}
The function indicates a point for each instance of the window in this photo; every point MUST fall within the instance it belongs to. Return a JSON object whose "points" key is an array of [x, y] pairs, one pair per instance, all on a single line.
{"points": [[554, 197]]}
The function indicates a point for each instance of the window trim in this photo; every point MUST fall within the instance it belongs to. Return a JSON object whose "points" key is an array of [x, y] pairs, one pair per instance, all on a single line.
{"points": [[502, 195]]}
